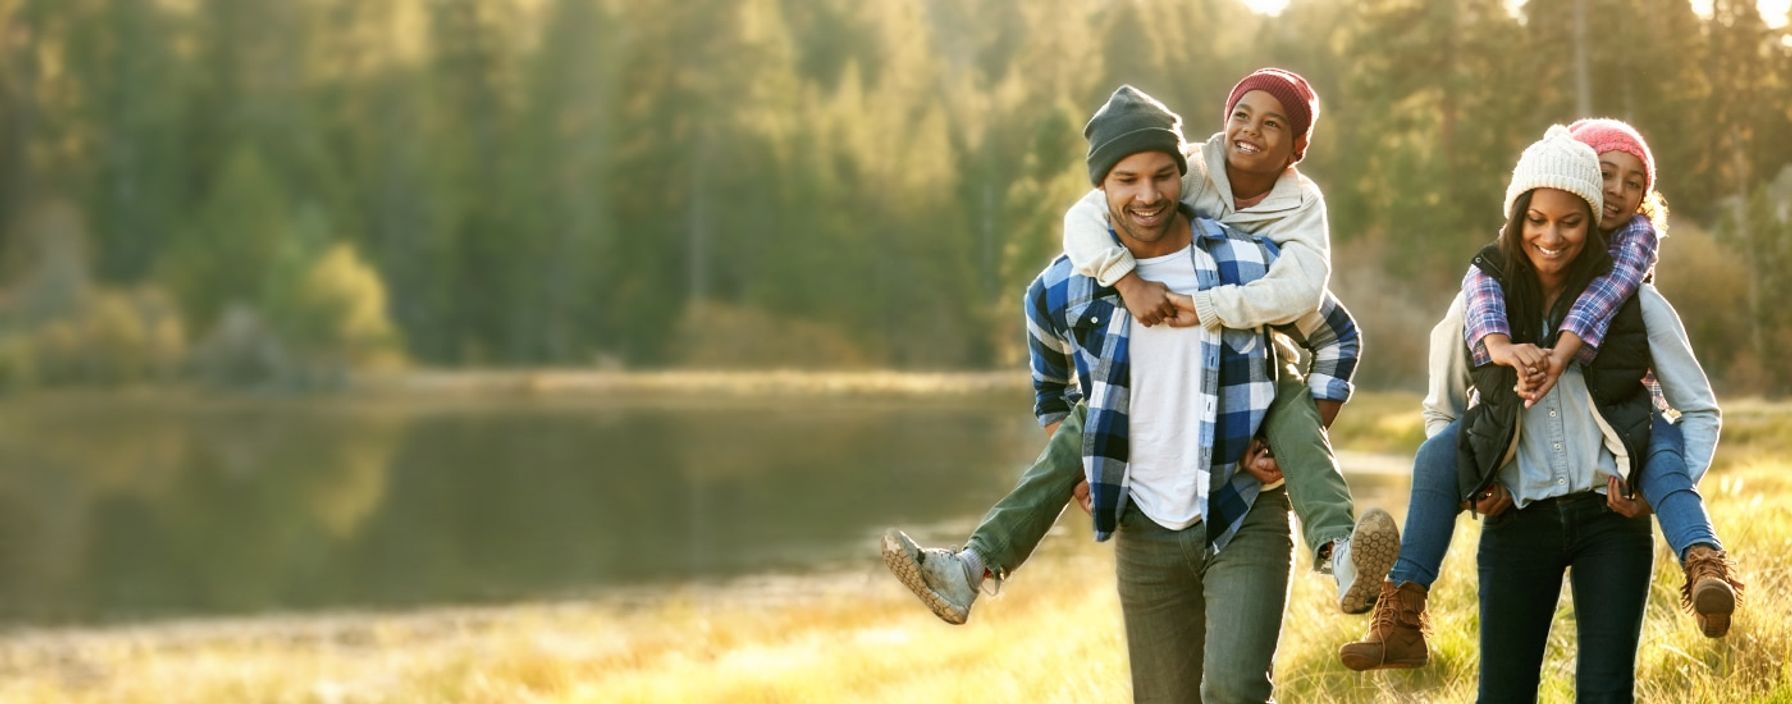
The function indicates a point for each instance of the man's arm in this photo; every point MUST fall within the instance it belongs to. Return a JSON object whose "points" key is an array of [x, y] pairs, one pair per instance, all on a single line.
{"points": [[1332, 336], [1050, 359]]}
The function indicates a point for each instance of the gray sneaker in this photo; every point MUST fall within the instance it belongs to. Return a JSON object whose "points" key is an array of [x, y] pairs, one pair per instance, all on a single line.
{"points": [[1362, 561], [936, 575]]}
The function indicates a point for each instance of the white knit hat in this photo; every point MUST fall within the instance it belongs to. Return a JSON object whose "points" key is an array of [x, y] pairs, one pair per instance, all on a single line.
{"points": [[1558, 161]]}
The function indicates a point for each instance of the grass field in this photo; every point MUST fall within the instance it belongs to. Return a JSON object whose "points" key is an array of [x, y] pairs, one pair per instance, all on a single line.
{"points": [[1053, 635]]}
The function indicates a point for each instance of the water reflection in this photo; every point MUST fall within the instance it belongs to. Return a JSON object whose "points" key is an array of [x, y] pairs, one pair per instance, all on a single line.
{"points": [[132, 508], [143, 508]]}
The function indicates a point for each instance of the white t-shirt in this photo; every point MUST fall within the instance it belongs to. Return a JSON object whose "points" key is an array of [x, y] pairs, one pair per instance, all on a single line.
{"points": [[1164, 415]]}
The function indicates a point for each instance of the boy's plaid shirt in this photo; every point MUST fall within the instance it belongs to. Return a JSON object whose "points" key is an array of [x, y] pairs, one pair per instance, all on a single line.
{"points": [[1634, 253], [1074, 322]]}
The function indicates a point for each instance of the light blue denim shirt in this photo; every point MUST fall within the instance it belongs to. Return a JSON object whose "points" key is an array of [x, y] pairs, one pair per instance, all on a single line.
{"points": [[1570, 451], [1561, 448]]}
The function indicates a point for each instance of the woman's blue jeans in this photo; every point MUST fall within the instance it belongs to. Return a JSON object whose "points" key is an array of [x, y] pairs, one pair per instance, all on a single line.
{"points": [[1431, 511], [1523, 554]]}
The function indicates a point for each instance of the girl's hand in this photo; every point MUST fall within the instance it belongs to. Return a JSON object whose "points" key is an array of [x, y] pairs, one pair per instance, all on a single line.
{"points": [[1530, 361], [1557, 363]]}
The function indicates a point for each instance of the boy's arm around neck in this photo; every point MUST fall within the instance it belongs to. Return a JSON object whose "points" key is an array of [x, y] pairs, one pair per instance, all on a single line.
{"points": [[1296, 282]]}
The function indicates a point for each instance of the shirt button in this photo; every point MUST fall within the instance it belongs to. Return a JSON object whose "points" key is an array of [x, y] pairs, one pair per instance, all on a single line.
{"points": [[1552, 412], [1558, 447], [1560, 481]]}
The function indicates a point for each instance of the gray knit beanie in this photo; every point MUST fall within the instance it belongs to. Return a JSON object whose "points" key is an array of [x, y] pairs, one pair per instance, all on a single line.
{"points": [[1558, 161], [1131, 122]]}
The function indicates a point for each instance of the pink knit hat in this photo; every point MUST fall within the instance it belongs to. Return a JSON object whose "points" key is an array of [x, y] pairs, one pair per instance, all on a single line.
{"points": [[1605, 134], [1296, 95]]}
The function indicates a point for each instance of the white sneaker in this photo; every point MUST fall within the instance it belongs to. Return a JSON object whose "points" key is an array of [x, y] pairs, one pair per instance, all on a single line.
{"points": [[936, 575], [1368, 553]]}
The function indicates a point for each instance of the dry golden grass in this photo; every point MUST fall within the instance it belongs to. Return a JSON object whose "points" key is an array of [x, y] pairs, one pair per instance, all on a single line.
{"points": [[1054, 635]]}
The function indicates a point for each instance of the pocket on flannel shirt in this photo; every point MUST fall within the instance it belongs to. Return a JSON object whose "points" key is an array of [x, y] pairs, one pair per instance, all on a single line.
{"points": [[1241, 341]]}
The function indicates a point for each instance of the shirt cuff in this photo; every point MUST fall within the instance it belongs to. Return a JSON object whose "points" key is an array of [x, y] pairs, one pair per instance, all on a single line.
{"points": [[1204, 309]]}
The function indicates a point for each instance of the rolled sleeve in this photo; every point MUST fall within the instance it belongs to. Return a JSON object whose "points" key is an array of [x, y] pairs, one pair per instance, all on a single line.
{"points": [[1049, 359], [1333, 337]]}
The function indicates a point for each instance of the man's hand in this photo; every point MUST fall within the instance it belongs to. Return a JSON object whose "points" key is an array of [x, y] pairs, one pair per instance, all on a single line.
{"points": [[1260, 462], [1626, 507], [1081, 492], [1186, 315], [1493, 500], [1146, 300]]}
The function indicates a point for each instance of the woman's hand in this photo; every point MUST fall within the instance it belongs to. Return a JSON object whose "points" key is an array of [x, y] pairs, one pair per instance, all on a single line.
{"points": [[1626, 507], [1493, 500]]}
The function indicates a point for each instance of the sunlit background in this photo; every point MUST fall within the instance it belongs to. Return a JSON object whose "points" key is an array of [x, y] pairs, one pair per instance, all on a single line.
{"points": [[324, 306]]}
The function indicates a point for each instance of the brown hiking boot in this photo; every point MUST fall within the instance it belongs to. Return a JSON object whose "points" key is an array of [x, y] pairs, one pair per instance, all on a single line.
{"points": [[1396, 631], [1711, 590]]}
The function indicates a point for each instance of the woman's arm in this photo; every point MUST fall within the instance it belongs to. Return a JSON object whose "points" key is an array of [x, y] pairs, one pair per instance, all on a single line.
{"points": [[1446, 396], [1683, 381]]}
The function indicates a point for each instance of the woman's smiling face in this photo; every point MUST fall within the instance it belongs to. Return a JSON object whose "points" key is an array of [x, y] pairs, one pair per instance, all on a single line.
{"points": [[1554, 232]]}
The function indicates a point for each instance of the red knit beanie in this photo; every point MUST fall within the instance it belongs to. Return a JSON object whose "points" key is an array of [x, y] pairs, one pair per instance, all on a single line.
{"points": [[1297, 97], [1604, 134]]}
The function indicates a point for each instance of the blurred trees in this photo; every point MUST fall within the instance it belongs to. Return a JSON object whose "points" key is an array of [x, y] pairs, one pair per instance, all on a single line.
{"points": [[323, 184]]}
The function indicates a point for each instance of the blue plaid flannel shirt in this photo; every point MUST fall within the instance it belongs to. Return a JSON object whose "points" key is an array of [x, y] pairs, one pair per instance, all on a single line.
{"points": [[1074, 323]]}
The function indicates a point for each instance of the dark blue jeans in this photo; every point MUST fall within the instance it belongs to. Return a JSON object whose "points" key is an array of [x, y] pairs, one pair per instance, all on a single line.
{"points": [[1523, 554]]}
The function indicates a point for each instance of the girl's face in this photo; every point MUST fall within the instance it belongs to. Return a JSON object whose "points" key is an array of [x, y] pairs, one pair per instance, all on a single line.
{"points": [[1258, 138], [1554, 232], [1624, 178]]}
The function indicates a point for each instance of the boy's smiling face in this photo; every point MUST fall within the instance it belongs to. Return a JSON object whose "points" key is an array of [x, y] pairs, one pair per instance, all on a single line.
{"points": [[1258, 137]]}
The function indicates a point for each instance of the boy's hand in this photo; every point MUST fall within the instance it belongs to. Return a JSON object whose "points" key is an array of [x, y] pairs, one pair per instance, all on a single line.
{"points": [[1146, 300], [1626, 507], [1186, 316], [1261, 463], [1081, 492]]}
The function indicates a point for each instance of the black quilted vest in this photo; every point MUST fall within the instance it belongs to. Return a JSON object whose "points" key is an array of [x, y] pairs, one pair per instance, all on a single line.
{"points": [[1614, 378]]}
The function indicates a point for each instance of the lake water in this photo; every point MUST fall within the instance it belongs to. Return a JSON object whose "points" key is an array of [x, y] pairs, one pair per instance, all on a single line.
{"points": [[125, 509]]}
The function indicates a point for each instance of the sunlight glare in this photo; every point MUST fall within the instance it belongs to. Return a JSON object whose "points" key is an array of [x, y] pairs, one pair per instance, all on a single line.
{"points": [[1270, 8]]}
